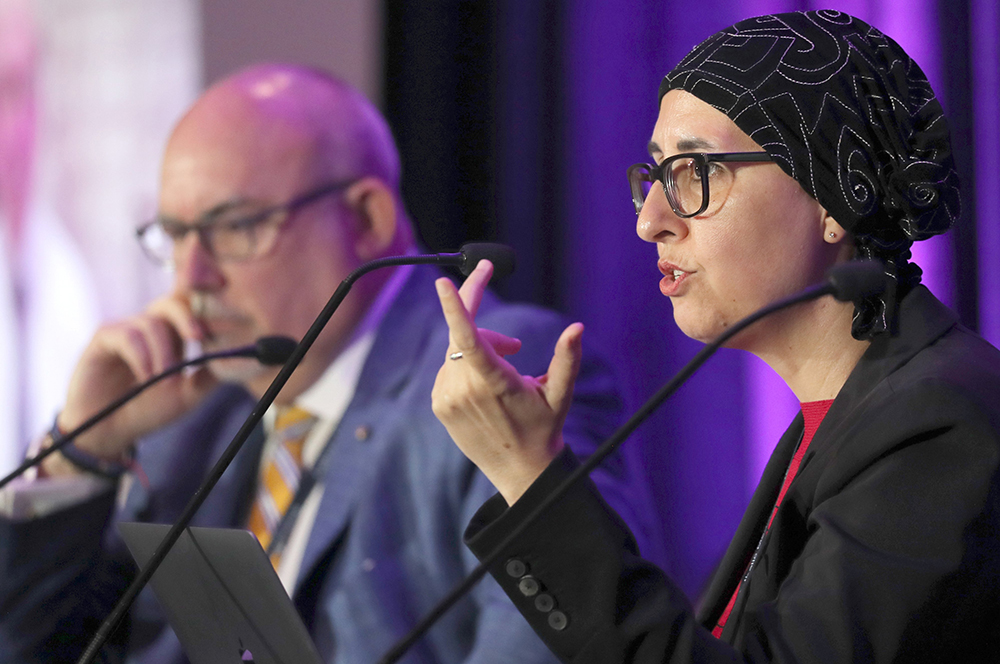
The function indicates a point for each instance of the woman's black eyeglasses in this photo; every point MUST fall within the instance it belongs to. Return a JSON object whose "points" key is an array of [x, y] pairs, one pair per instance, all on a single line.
{"points": [[685, 179]]}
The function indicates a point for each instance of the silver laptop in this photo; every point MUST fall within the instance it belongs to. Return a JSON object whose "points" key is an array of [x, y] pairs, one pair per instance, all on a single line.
{"points": [[222, 597]]}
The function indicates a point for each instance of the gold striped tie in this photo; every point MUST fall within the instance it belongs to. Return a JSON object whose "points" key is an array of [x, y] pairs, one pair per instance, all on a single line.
{"points": [[281, 475]]}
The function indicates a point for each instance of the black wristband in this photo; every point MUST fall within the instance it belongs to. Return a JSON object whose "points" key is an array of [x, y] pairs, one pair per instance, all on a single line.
{"points": [[85, 461]]}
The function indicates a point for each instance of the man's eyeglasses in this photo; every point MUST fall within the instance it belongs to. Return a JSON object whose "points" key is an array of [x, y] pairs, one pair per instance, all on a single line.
{"points": [[685, 179], [233, 231]]}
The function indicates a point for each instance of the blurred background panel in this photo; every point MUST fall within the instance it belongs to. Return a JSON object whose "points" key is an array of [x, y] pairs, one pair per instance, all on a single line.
{"points": [[516, 121], [88, 92], [342, 36]]}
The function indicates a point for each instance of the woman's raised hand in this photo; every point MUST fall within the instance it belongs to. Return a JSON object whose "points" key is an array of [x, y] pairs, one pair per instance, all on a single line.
{"points": [[507, 424]]}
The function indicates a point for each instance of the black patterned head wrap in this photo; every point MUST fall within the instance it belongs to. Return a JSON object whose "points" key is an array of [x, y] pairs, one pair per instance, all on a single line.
{"points": [[845, 111]]}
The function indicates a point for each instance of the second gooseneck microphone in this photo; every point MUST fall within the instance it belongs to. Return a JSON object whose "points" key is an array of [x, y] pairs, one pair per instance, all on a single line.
{"points": [[267, 350]]}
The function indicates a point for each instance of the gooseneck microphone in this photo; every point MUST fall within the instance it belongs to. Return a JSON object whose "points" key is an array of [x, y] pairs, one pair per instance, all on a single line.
{"points": [[466, 260], [267, 350], [500, 255], [851, 281], [857, 280]]}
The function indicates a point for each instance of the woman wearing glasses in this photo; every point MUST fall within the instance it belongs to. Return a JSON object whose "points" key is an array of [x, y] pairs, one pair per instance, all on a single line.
{"points": [[784, 145]]}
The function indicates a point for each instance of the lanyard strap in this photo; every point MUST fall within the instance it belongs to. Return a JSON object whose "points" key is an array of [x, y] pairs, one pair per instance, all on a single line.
{"points": [[307, 482]]}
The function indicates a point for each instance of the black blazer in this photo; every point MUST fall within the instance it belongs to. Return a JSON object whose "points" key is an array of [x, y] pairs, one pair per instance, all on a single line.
{"points": [[885, 548]]}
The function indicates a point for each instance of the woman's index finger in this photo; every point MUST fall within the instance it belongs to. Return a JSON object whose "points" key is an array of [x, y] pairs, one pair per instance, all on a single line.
{"points": [[461, 325], [472, 290]]}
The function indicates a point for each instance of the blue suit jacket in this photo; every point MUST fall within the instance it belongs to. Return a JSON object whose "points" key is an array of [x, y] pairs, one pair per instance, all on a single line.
{"points": [[387, 543]]}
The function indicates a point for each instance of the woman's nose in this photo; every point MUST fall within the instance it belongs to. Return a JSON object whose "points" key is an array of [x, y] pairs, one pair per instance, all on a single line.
{"points": [[657, 221]]}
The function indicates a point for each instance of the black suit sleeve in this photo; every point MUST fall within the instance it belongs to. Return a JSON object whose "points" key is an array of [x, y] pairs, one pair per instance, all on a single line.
{"points": [[607, 604], [887, 551], [57, 584]]}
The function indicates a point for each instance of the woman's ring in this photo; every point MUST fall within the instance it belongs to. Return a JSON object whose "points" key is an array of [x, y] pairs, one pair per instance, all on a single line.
{"points": [[455, 356]]}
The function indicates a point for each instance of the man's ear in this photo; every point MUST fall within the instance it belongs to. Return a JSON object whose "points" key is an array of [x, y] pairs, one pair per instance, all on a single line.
{"points": [[374, 206]]}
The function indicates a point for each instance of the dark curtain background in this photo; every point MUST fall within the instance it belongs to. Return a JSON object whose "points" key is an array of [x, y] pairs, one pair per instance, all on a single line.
{"points": [[516, 121]]}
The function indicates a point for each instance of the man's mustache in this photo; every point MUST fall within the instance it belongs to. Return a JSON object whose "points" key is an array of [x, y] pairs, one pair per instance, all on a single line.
{"points": [[207, 306]]}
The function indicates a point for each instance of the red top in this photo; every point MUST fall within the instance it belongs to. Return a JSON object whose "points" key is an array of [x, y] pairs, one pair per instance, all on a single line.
{"points": [[813, 413]]}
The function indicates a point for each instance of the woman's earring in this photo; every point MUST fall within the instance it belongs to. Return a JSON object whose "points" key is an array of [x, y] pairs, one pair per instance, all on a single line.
{"points": [[832, 234]]}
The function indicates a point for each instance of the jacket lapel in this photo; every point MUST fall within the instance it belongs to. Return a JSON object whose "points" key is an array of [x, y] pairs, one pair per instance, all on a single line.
{"points": [[741, 548], [923, 319], [177, 459], [231, 498], [399, 344]]}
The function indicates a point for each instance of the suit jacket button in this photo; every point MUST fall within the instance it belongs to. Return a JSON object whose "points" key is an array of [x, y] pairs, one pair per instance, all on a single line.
{"points": [[558, 620], [528, 586], [544, 602], [516, 568], [362, 432]]}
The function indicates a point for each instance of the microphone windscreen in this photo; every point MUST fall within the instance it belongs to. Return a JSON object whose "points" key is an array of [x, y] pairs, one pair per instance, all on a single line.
{"points": [[857, 280], [500, 255], [274, 350]]}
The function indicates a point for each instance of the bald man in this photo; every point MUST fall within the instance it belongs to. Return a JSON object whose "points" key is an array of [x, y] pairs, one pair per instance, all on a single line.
{"points": [[276, 184]]}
